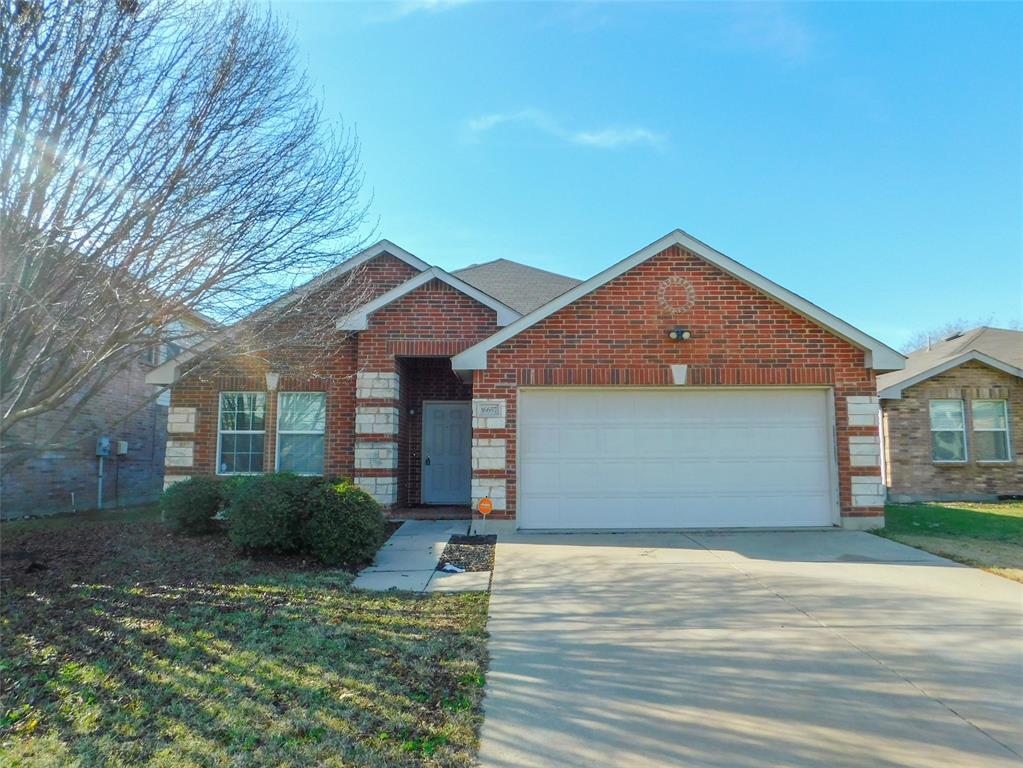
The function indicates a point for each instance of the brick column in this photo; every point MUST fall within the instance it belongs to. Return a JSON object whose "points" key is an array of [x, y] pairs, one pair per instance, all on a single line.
{"points": [[376, 427]]}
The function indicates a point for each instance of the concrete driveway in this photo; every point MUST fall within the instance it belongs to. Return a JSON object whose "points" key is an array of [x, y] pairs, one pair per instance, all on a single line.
{"points": [[807, 648]]}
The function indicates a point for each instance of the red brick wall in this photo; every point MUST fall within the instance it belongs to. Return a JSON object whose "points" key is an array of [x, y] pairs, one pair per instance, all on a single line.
{"points": [[618, 335]]}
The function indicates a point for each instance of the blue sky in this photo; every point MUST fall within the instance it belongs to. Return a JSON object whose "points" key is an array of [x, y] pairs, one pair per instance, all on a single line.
{"points": [[867, 156]]}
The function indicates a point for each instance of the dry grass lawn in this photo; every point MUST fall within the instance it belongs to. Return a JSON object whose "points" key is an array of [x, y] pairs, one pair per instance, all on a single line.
{"points": [[125, 645], [984, 535]]}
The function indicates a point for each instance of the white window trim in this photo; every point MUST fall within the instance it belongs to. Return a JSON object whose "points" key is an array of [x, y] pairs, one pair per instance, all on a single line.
{"points": [[1008, 437], [322, 433], [220, 430], [966, 442]]}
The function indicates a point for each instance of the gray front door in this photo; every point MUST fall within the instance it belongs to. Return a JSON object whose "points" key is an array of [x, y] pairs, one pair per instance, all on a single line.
{"points": [[447, 437]]}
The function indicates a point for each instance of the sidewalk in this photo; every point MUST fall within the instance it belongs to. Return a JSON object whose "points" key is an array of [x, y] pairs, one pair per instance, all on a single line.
{"points": [[408, 561]]}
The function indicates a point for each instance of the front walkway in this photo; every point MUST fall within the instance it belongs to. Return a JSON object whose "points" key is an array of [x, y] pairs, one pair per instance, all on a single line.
{"points": [[408, 561], [832, 648]]}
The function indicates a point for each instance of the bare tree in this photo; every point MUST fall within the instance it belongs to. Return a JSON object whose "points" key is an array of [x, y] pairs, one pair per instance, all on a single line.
{"points": [[158, 158]]}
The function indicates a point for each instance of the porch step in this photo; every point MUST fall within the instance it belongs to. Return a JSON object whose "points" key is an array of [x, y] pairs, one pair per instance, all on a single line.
{"points": [[430, 513]]}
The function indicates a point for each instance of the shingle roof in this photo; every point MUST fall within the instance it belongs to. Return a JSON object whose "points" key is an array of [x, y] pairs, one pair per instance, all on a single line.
{"points": [[998, 343], [521, 287]]}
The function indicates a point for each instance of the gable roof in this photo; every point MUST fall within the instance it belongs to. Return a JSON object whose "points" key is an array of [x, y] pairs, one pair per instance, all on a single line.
{"points": [[878, 356], [999, 348], [359, 319], [169, 371], [521, 287]]}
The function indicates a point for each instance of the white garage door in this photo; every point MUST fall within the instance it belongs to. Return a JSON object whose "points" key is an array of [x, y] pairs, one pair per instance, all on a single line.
{"points": [[601, 458]]}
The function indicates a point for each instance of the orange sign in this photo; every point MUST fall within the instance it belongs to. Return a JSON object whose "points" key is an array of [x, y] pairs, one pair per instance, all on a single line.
{"points": [[486, 506]]}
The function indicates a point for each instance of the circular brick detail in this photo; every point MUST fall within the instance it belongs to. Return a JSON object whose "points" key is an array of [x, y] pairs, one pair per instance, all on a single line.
{"points": [[676, 295]]}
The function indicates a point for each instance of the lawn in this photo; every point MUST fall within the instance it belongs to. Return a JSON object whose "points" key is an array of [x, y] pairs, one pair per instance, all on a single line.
{"points": [[985, 535], [126, 645]]}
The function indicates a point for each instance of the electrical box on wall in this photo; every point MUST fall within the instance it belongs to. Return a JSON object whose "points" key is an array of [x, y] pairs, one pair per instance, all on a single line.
{"points": [[122, 447], [102, 446]]}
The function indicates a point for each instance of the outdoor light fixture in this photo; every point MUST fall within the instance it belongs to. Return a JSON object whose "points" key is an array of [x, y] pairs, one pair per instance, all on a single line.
{"points": [[273, 379], [679, 334]]}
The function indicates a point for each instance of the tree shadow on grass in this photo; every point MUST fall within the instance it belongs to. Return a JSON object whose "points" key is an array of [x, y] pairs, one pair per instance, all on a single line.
{"points": [[254, 669]]}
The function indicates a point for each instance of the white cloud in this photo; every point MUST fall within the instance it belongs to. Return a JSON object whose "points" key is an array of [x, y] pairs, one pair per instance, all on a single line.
{"points": [[400, 10], [603, 138], [771, 28]]}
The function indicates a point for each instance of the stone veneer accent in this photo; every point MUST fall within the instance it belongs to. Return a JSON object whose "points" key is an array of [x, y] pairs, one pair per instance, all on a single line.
{"points": [[376, 385], [864, 410], [169, 480], [489, 414], [376, 420], [865, 450], [181, 419], [376, 455], [383, 489], [179, 453], [867, 491], [488, 453], [494, 488]]}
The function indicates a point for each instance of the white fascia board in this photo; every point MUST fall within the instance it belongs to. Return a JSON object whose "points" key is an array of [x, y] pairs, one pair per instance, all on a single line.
{"points": [[894, 392], [359, 320], [878, 356]]}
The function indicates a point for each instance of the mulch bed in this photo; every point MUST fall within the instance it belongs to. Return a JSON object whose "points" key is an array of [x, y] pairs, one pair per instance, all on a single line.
{"points": [[474, 553]]}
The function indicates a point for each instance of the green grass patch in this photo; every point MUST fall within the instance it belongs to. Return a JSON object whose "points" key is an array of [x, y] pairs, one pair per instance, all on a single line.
{"points": [[127, 645], [1002, 521]]}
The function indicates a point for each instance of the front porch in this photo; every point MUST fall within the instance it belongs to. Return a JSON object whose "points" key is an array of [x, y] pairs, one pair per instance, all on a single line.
{"points": [[414, 437]]}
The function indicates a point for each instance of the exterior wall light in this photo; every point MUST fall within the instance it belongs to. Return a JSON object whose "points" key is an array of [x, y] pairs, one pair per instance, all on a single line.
{"points": [[273, 379], [679, 334]]}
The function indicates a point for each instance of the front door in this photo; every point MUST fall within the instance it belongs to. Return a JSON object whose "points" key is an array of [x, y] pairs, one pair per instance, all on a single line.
{"points": [[447, 437]]}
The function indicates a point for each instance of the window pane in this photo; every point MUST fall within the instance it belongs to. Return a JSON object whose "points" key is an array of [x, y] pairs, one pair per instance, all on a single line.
{"points": [[257, 411], [302, 454], [948, 446], [991, 446], [303, 411], [946, 414], [989, 414]]}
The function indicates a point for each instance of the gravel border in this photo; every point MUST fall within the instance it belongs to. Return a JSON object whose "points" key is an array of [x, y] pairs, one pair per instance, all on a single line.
{"points": [[473, 553]]}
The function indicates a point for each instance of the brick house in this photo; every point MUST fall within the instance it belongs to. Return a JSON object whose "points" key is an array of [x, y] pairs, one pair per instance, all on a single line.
{"points": [[675, 389], [953, 419], [50, 480]]}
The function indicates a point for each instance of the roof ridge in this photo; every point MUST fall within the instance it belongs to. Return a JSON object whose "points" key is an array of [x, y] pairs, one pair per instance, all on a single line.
{"points": [[517, 264]]}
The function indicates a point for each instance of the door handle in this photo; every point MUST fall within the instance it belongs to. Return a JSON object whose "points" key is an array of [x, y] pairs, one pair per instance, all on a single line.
{"points": [[427, 462]]}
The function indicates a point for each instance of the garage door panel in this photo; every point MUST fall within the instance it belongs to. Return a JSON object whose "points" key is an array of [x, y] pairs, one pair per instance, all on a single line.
{"points": [[674, 459]]}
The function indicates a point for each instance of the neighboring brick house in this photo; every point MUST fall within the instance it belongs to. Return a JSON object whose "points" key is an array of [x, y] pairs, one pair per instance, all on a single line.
{"points": [[65, 478], [953, 419], [675, 389]]}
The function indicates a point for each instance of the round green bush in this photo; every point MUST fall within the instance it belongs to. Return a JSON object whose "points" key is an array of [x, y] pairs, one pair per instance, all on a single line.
{"points": [[268, 511], [345, 525], [189, 505]]}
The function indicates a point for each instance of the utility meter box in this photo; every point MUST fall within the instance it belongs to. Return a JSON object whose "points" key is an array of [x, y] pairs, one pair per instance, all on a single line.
{"points": [[122, 447], [103, 446]]}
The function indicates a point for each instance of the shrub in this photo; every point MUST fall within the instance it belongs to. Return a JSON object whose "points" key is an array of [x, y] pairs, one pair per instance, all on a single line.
{"points": [[189, 505], [268, 511], [345, 525]]}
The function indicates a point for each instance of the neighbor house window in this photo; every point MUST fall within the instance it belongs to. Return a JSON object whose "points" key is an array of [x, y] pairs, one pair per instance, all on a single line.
{"points": [[301, 418], [948, 431], [990, 430], [242, 433]]}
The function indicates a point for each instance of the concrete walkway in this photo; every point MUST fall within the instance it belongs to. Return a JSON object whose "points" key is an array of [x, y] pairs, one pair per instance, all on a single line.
{"points": [[408, 561], [835, 648]]}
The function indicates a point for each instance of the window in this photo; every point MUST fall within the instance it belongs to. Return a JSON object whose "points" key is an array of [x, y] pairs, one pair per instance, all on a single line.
{"points": [[301, 419], [948, 431], [242, 432], [990, 430]]}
